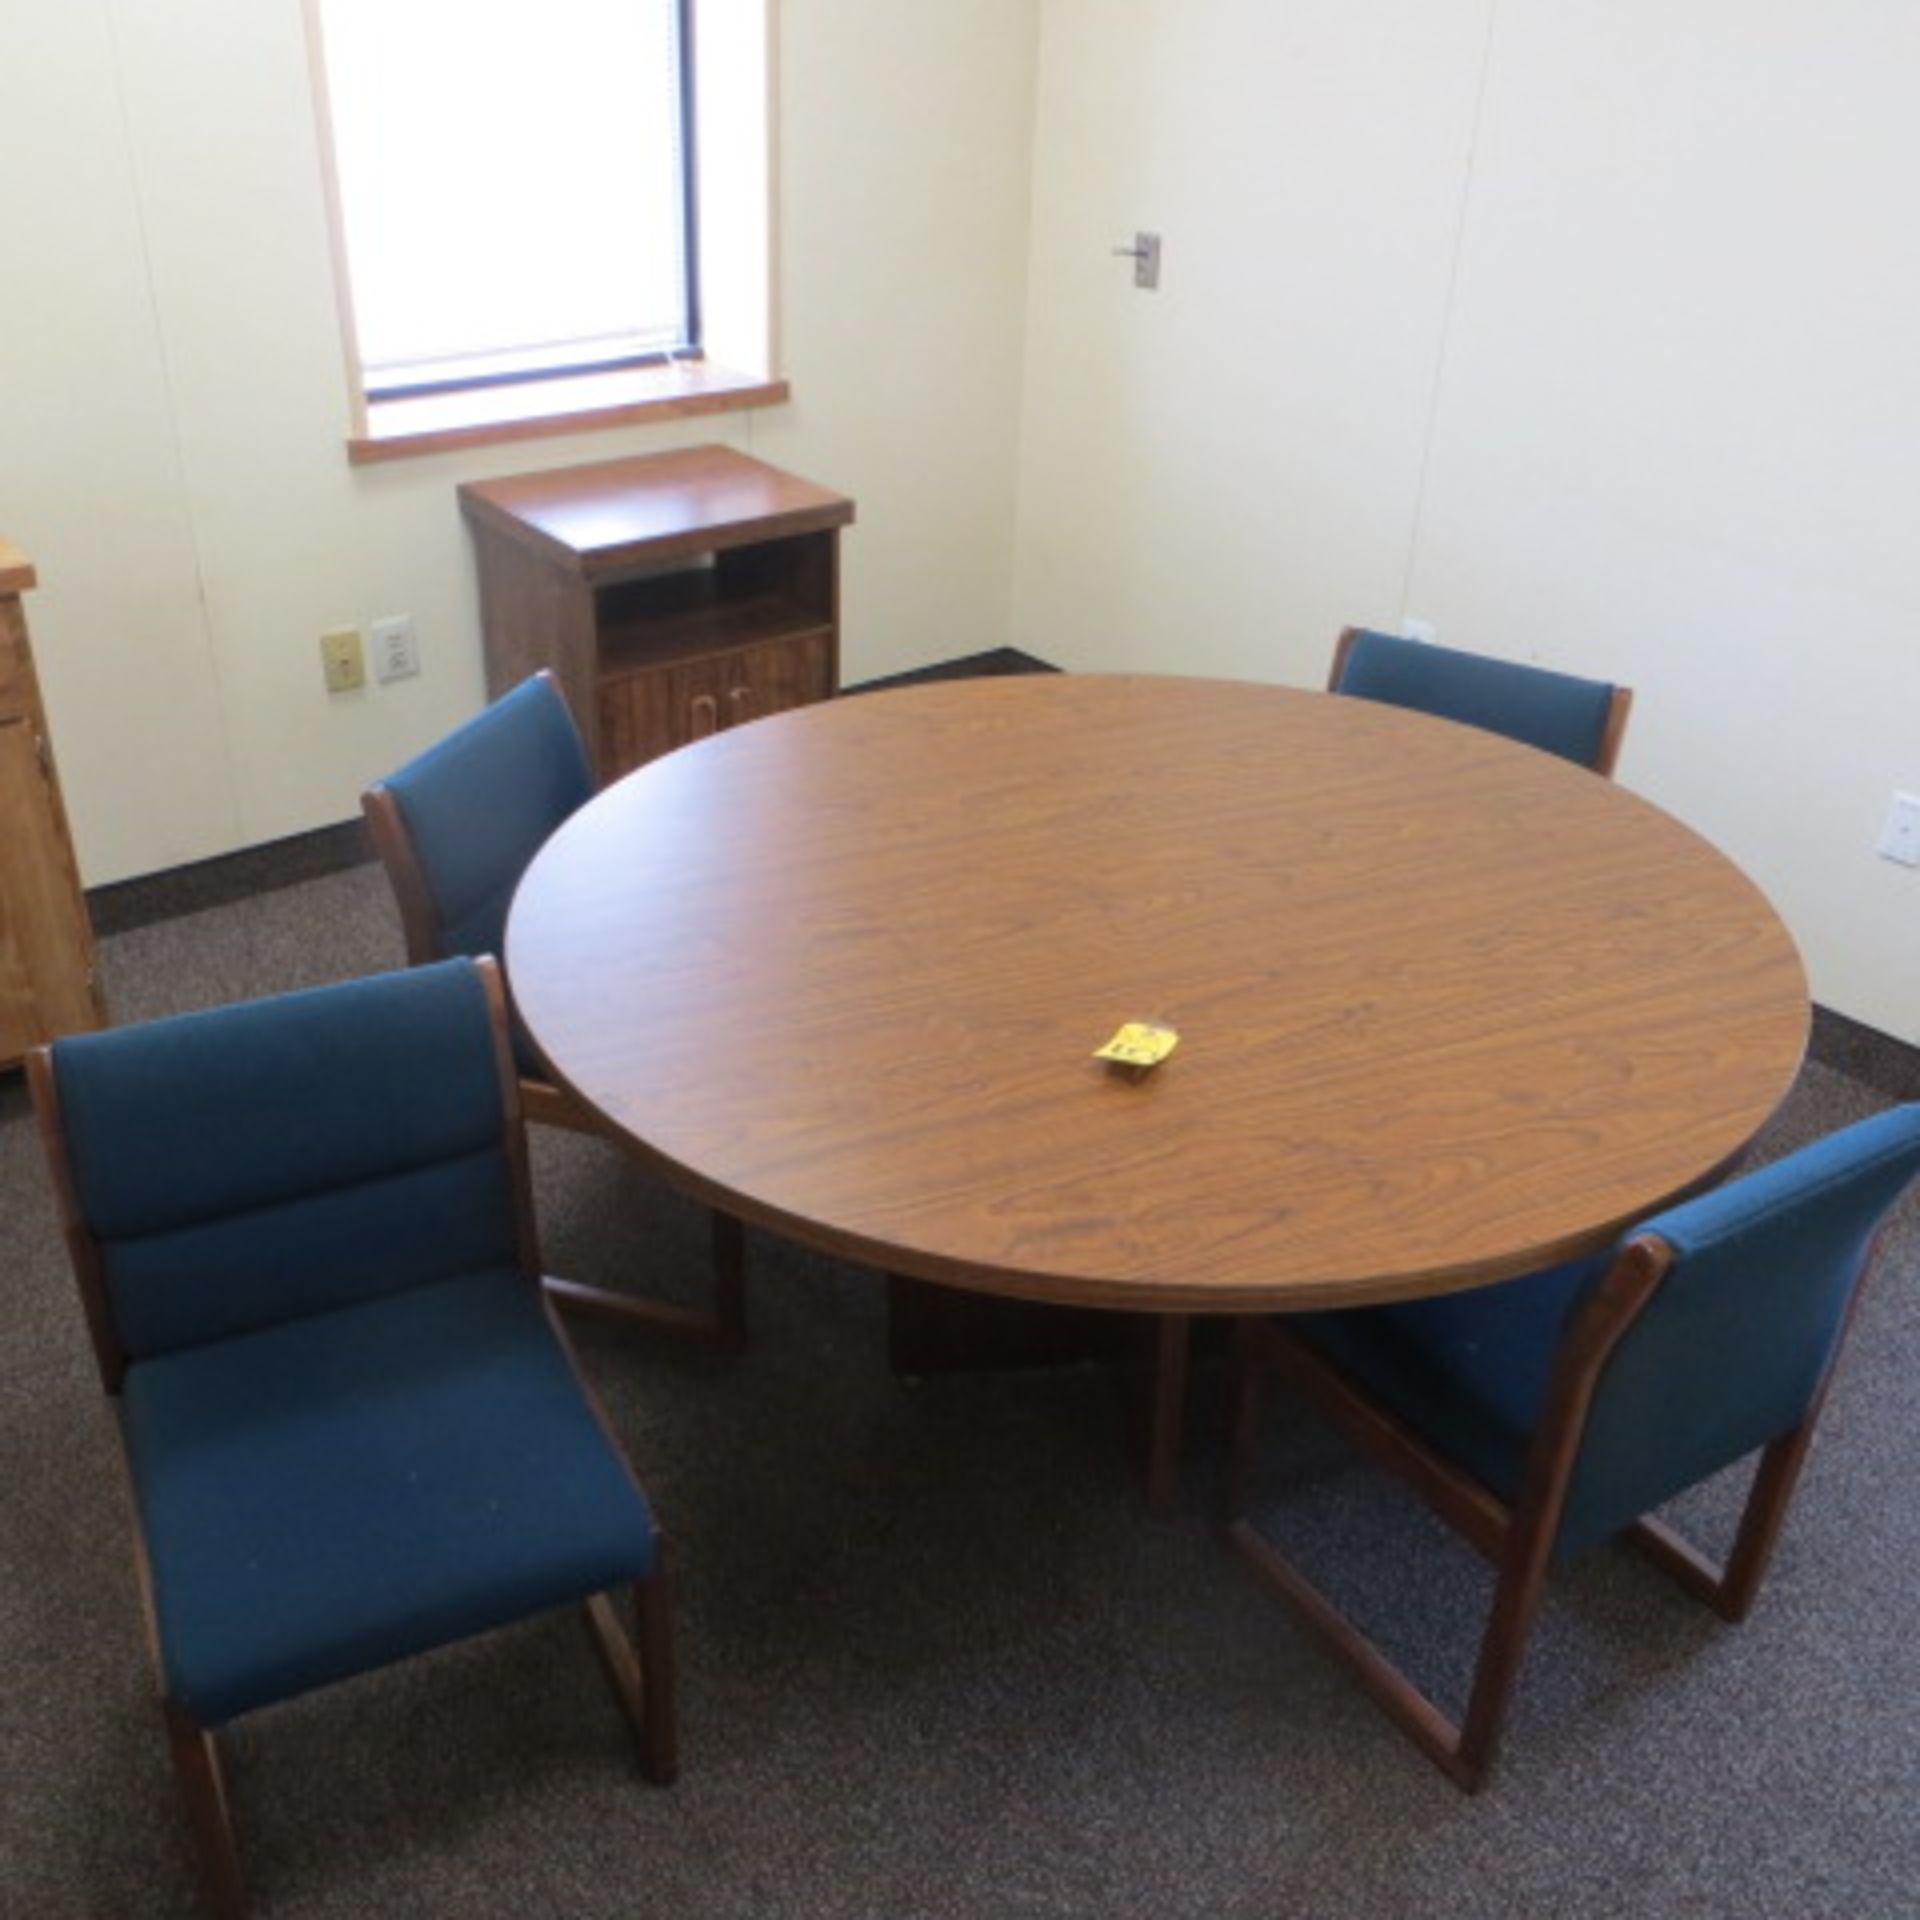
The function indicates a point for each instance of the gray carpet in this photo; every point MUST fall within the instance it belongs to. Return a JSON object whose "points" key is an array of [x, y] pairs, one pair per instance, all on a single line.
{"points": [[934, 1660]]}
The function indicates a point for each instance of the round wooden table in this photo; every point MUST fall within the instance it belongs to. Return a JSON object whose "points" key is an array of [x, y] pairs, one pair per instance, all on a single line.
{"points": [[1449, 1009]]}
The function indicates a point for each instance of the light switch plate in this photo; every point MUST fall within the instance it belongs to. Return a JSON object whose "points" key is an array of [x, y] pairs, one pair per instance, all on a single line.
{"points": [[342, 660], [1900, 837], [396, 649]]}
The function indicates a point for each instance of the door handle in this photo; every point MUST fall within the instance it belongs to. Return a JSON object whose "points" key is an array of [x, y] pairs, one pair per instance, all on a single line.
{"points": [[1145, 255]]}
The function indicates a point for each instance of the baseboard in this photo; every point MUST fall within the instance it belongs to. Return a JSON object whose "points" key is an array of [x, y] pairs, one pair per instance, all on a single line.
{"points": [[227, 877], [1865, 1054], [972, 666]]}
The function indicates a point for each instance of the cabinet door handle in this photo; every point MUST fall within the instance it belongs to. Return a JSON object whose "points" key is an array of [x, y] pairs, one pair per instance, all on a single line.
{"points": [[705, 712], [740, 705]]}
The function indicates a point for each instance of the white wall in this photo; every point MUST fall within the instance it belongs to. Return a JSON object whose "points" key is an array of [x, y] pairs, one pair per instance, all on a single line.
{"points": [[173, 410], [1216, 475], [1583, 328], [1580, 327], [1679, 429]]}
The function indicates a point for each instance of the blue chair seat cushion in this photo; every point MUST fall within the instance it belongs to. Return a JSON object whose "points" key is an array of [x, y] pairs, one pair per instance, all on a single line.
{"points": [[1466, 1372], [326, 1496]]}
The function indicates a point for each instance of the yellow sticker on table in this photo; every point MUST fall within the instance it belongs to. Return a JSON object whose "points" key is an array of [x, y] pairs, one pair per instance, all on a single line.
{"points": [[1140, 1043]]}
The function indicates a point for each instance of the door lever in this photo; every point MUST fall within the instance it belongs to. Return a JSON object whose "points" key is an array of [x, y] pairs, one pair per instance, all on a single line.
{"points": [[1145, 255]]}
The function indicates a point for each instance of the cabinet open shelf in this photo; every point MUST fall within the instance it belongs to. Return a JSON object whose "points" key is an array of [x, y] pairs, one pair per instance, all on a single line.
{"points": [[657, 623]]}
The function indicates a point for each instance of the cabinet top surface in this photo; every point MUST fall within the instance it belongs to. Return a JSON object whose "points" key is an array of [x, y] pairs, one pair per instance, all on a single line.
{"points": [[16, 570], [655, 506]]}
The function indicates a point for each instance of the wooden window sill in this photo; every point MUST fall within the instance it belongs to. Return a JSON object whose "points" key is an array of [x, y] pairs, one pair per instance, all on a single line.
{"points": [[438, 423]]}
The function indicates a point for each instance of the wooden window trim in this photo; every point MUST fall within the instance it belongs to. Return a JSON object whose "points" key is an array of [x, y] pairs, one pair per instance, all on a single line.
{"points": [[572, 403], [398, 429]]}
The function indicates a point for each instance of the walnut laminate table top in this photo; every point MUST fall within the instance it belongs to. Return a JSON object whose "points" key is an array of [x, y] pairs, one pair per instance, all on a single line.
{"points": [[1448, 1008]]}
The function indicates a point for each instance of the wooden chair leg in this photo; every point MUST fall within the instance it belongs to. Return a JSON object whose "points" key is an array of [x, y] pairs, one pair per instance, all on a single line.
{"points": [[1245, 1391], [203, 1787], [1165, 1413], [1429, 1729], [724, 1325], [577, 1298], [1516, 1604], [654, 1600], [1731, 1590], [644, 1684], [1463, 1750], [729, 1283], [1762, 1518]]}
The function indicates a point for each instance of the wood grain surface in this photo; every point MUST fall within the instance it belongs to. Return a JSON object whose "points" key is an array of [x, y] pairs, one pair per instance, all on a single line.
{"points": [[617, 515], [1449, 1008], [48, 981], [16, 570]]}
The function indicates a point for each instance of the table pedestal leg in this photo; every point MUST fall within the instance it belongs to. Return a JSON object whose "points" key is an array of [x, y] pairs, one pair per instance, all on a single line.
{"points": [[1160, 1408], [933, 1329]]}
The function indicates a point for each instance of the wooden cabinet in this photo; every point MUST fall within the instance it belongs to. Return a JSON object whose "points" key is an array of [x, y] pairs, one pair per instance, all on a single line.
{"points": [[47, 981], [673, 594]]}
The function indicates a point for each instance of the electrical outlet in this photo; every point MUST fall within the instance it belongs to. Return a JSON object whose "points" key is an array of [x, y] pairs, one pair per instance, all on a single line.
{"points": [[1900, 837], [342, 661], [396, 650]]}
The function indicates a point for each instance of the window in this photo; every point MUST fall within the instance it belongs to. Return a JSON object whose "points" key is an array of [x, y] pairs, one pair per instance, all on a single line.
{"points": [[518, 228]]}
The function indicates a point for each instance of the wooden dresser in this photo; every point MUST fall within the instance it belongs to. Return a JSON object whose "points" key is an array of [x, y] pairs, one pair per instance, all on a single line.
{"points": [[672, 594], [48, 984]]}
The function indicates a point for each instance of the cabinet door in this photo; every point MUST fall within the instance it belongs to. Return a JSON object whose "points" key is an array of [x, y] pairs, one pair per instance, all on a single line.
{"points": [[45, 952], [649, 712], [761, 680]]}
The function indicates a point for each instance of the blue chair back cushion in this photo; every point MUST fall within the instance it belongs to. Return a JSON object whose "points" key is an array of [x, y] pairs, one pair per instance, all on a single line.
{"points": [[1559, 713], [286, 1157], [1730, 1350], [1723, 1359], [479, 805]]}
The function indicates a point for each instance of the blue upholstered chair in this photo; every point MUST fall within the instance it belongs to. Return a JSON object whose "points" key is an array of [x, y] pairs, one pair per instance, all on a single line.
{"points": [[1542, 1415], [304, 1241], [1580, 720], [456, 827]]}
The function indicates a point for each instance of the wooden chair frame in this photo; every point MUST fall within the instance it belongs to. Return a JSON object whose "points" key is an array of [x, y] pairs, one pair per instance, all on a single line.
{"points": [[1615, 733], [643, 1679], [1162, 1409], [725, 1326], [1517, 1539]]}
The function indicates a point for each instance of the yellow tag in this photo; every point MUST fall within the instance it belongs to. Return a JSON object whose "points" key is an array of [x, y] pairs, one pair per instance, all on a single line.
{"points": [[1140, 1043]]}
